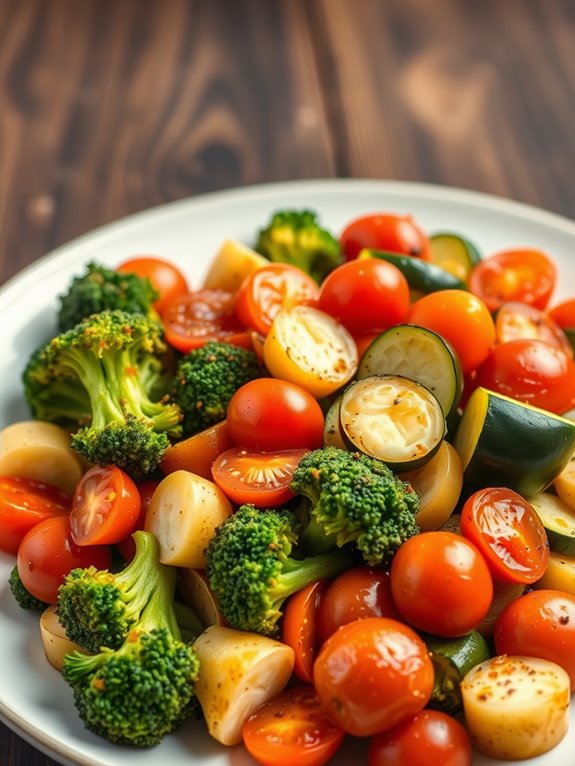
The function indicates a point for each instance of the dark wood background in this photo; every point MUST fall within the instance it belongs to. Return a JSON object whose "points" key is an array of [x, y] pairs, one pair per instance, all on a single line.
{"points": [[112, 106]]}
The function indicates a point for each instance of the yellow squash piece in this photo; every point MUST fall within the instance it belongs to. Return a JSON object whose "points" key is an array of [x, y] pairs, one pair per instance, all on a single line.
{"points": [[231, 265], [560, 574], [565, 483]]}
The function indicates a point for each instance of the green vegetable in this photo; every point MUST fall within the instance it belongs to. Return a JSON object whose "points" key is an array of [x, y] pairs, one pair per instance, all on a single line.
{"points": [[354, 499], [101, 375], [102, 289], [144, 689], [22, 595], [295, 237], [454, 253], [421, 276], [206, 380], [251, 570], [559, 522]]}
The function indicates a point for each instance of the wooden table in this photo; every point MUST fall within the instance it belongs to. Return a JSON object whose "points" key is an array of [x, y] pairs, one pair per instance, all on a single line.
{"points": [[112, 106]]}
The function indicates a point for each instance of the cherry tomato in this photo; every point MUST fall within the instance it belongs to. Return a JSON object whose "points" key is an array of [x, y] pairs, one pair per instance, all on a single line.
{"points": [[441, 584], [105, 506], [531, 371], [373, 674], [273, 414], [539, 624], [515, 321], [366, 295], [462, 319], [23, 504], [198, 452], [299, 627], [261, 478], [127, 546], [508, 533], [270, 289], [514, 275], [430, 737], [48, 553], [355, 595], [564, 314], [192, 319], [292, 728], [387, 231], [165, 277]]}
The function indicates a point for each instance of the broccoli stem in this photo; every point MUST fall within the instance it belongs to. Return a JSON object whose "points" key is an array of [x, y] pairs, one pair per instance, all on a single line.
{"points": [[297, 574]]}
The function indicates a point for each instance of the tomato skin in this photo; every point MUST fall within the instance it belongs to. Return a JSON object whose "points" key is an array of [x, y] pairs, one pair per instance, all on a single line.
{"points": [[105, 506], [373, 674], [299, 627], [165, 277], [514, 275], [270, 289], [441, 584], [48, 553], [355, 595], [292, 728], [260, 478], [365, 296], [508, 533], [564, 314], [23, 504], [531, 371], [386, 231], [431, 737], [127, 546], [539, 624], [274, 414], [462, 319]]}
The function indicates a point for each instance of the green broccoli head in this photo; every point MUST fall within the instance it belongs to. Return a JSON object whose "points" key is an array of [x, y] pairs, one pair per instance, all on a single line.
{"points": [[102, 289], [355, 499], [295, 237], [206, 380], [101, 376], [251, 570], [143, 690], [98, 608], [22, 595]]}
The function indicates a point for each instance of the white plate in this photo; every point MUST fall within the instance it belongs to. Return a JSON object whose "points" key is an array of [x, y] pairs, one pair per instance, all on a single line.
{"points": [[33, 698]]}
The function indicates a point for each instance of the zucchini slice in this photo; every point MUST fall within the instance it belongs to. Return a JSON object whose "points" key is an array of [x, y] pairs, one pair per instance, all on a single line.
{"points": [[565, 483], [454, 253], [422, 276], [419, 354], [393, 419], [558, 520], [503, 442], [332, 436]]}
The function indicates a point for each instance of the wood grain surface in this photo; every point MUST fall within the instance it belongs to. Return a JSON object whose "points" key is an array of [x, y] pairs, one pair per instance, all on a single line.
{"points": [[108, 107]]}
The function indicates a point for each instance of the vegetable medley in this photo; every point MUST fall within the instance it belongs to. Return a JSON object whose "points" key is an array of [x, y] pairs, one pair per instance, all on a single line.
{"points": [[329, 493]]}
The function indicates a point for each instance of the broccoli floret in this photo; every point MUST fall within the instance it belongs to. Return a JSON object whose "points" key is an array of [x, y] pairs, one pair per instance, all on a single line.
{"points": [[206, 380], [143, 690], [22, 595], [295, 237], [100, 376], [251, 570], [103, 289], [355, 499]]}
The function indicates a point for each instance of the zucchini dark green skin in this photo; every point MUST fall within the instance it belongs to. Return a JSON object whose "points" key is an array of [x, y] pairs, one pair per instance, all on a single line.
{"points": [[570, 333], [421, 275], [452, 658]]}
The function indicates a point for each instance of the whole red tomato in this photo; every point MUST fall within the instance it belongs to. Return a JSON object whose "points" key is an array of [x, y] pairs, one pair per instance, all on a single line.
{"points": [[385, 231]]}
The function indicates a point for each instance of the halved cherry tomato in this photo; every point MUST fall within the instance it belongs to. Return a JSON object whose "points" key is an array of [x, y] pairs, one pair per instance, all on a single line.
{"points": [[564, 314], [514, 275], [23, 504], [462, 319], [261, 478], [508, 532], [515, 320], [192, 319], [372, 675], [105, 506], [431, 737], [366, 295], [441, 584], [532, 371], [270, 289], [386, 231], [274, 414], [127, 546], [167, 279], [292, 728], [299, 627], [48, 553], [355, 595], [539, 624]]}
